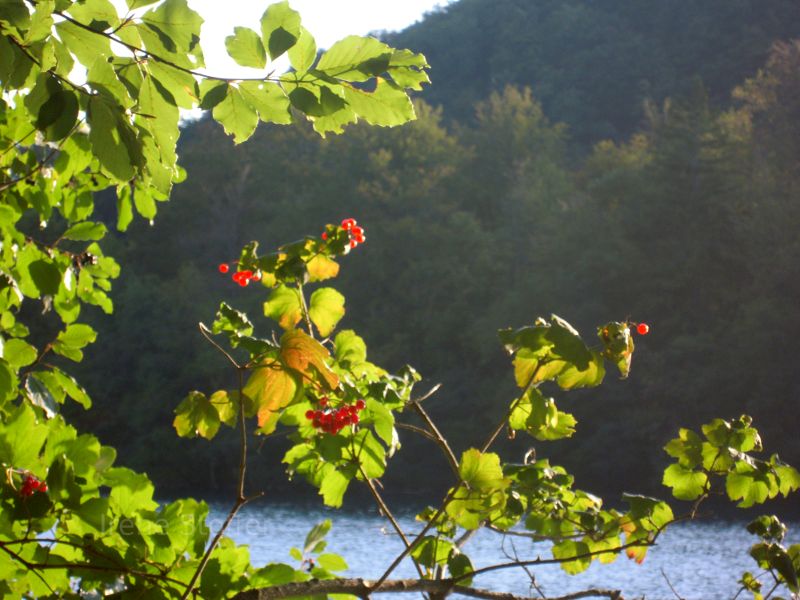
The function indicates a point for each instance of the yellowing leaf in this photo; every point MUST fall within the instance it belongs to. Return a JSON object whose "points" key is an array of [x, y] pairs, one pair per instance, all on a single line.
{"points": [[284, 305], [304, 354], [272, 387], [321, 267]]}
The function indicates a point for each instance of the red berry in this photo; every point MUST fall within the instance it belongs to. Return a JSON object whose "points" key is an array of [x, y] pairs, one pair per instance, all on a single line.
{"points": [[324, 235], [360, 404], [256, 276], [356, 231], [353, 243], [243, 281], [359, 238], [323, 401], [223, 268], [348, 224], [310, 415], [354, 419], [643, 329]]}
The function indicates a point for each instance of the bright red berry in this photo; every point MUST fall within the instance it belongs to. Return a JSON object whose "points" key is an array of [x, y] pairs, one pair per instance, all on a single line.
{"points": [[643, 329], [324, 235], [223, 268], [348, 224], [354, 419], [360, 404], [353, 243], [310, 415]]}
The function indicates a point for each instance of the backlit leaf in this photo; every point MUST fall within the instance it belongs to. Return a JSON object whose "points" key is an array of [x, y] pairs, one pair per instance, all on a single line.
{"points": [[284, 305], [245, 47], [326, 309]]}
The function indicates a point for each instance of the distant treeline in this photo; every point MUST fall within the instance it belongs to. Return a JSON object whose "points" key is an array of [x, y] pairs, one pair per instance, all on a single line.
{"points": [[487, 220]]}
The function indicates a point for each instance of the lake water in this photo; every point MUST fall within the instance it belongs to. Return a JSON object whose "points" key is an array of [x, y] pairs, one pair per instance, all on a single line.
{"points": [[702, 560]]}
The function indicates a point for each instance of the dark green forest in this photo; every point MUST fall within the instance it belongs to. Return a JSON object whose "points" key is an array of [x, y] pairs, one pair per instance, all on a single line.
{"points": [[599, 160]]}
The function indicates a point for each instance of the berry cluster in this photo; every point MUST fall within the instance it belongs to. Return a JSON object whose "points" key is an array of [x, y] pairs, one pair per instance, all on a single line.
{"points": [[241, 277], [356, 233], [31, 485], [333, 420]]}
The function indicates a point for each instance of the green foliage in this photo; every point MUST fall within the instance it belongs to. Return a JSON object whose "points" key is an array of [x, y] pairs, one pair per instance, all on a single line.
{"points": [[91, 103]]}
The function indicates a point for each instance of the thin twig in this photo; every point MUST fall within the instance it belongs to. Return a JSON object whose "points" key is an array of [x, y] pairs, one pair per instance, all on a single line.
{"points": [[207, 334], [500, 426], [438, 437], [384, 508], [419, 537], [241, 499], [669, 583]]}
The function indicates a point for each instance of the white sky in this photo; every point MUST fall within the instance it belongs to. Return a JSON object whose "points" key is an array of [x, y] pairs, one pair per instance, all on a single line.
{"points": [[327, 20]]}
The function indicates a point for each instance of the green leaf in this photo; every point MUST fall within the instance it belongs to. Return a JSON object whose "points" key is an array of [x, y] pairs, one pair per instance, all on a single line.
{"points": [[349, 347], [131, 492], [687, 448], [245, 47], [196, 415], [40, 396], [268, 99], [231, 321], [19, 353], [481, 471], [280, 28], [70, 341], [459, 565], [113, 139], [685, 483], [387, 106], [789, 479], [77, 336], [87, 231], [236, 115], [432, 551], [568, 551], [284, 305], [355, 58], [572, 376], [86, 45], [332, 562], [747, 484], [303, 54], [22, 439], [326, 309], [366, 451], [315, 535], [178, 25], [333, 487]]}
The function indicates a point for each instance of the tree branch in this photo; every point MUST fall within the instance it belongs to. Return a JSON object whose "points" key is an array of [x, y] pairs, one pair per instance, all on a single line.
{"points": [[363, 587]]}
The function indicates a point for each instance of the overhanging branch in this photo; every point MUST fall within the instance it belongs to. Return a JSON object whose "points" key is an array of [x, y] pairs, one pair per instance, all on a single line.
{"points": [[364, 587]]}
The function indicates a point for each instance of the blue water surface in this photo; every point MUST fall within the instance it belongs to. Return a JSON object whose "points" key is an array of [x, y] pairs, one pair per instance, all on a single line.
{"points": [[701, 560]]}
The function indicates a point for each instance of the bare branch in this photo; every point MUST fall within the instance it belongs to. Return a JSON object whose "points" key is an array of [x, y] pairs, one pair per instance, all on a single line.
{"points": [[363, 587]]}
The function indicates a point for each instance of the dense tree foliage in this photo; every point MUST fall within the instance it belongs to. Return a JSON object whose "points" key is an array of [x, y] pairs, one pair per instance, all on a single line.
{"points": [[594, 64]]}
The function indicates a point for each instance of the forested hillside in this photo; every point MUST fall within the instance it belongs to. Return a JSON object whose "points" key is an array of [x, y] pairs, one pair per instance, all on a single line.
{"points": [[594, 63], [685, 218]]}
